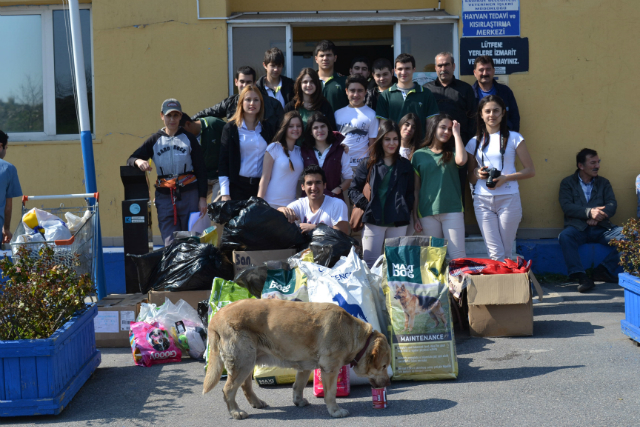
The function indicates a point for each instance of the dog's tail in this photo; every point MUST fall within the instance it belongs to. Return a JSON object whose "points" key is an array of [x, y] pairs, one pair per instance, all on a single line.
{"points": [[214, 370]]}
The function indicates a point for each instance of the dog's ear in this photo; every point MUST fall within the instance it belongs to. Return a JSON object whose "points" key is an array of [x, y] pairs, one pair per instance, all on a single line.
{"points": [[375, 352]]}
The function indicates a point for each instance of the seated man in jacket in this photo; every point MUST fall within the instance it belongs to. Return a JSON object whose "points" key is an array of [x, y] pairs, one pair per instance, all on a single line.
{"points": [[588, 203], [317, 208]]}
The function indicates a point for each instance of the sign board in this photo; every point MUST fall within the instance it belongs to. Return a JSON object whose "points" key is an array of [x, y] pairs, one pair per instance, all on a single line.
{"points": [[510, 54], [490, 18]]}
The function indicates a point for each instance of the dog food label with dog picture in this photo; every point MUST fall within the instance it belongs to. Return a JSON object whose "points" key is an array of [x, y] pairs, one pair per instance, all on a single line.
{"points": [[422, 342]]}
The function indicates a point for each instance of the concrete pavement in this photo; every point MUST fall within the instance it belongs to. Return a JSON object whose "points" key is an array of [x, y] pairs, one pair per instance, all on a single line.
{"points": [[578, 369]]}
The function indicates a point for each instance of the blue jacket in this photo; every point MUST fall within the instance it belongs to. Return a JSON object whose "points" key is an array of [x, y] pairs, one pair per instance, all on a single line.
{"points": [[504, 92]]}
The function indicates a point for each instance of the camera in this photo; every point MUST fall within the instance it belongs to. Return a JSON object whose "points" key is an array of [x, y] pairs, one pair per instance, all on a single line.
{"points": [[493, 174]]}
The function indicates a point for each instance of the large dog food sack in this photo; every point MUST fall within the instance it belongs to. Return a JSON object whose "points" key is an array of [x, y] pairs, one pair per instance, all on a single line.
{"points": [[151, 344], [421, 331]]}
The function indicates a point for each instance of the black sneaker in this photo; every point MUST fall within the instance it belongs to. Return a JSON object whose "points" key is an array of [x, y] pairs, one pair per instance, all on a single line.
{"points": [[584, 282], [601, 274]]}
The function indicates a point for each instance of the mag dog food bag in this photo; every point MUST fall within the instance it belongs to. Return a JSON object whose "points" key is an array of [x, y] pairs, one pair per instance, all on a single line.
{"points": [[417, 296], [288, 285]]}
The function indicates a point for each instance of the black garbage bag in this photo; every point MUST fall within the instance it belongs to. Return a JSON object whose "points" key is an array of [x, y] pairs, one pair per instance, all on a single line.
{"points": [[329, 244], [253, 225], [188, 266], [146, 264]]}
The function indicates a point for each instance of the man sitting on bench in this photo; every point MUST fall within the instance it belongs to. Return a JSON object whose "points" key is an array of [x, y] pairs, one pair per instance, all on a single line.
{"points": [[588, 203]]}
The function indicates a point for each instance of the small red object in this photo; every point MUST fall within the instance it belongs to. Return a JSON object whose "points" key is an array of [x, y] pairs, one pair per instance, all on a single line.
{"points": [[344, 384], [379, 396]]}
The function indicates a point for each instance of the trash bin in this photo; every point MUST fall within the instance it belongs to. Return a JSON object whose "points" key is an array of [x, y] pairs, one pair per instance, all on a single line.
{"points": [[136, 222]]}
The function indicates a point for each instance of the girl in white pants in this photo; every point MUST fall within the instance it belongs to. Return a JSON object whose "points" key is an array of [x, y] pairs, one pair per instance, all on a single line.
{"points": [[390, 177], [438, 210], [497, 201]]}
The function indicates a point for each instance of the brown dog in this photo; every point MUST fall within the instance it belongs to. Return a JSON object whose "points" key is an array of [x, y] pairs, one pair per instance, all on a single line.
{"points": [[299, 335], [418, 304]]}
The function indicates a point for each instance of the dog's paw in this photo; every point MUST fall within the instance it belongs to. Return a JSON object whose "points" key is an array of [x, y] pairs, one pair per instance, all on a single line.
{"points": [[302, 402], [259, 404], [339, 413], [239, 414]]}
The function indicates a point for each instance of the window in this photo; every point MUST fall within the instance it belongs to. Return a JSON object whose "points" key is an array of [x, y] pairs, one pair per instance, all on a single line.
{"points": [[37, 100]]}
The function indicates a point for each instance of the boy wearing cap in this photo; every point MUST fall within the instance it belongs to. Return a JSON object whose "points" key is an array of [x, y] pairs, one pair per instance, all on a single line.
{"points": [[274, 83], [332, 83], [406, 96], [181, 187]]}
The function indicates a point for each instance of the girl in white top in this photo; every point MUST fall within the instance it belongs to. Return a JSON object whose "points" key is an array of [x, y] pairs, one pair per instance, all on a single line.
{"points": [[282, 163], [497, 207], [410, 136]]}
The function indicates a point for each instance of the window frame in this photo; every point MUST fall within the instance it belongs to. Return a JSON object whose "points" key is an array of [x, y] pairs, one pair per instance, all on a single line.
{"points": [[48, 74]]}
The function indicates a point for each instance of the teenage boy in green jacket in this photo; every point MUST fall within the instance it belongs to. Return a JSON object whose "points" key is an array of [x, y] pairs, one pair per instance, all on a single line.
{"points": [[406, 96], [208, 131], [333, 87]]}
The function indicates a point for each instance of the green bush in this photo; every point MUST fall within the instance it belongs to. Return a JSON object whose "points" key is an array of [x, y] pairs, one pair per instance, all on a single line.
{"points": [[629, 247], [38, 295]]}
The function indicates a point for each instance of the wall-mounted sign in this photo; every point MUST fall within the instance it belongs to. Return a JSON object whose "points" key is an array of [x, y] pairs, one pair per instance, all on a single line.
{"points": [[510, 54], [490, 18]]}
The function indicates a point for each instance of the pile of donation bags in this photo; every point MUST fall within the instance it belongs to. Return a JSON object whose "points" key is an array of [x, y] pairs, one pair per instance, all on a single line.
{"points": [[164, 334]]}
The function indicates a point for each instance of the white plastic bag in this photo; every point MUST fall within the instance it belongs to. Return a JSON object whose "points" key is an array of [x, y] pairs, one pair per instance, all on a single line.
{"points": [[347, 284], [74, 222], [200, 224], [36, 220]]}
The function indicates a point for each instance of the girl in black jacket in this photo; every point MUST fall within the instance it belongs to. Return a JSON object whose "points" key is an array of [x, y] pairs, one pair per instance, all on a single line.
{"points": [[242, 147], [387, 213]]}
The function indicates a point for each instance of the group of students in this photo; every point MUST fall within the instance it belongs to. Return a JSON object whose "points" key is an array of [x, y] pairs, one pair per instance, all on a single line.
{"points": [[319, 134]]}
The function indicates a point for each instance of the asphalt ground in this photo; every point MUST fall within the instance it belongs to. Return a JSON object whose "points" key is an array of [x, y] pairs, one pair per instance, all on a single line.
{"points": [[577, 370]]}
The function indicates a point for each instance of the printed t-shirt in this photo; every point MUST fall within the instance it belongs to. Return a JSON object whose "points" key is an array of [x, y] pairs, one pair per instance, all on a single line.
{"points": [[492, 158], [331, 212], [357, 125], [440, 190], [283, 184]]}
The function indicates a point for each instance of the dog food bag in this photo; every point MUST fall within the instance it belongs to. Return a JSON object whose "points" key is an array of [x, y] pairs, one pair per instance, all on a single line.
{"points": [[344, 384], [417, 295], [288, 285], [151, 344]]}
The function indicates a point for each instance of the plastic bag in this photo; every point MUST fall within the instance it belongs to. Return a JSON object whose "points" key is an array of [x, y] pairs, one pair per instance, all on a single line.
{"points": [[198, 223], [49, 225], [146, 265], [189, 267], [253, 225], [210, 236], [151, 345], [347, 285], [417, 296], [329, 244], [74, 222]]}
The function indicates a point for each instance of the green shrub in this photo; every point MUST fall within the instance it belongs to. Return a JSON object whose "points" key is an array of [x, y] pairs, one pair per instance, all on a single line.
{"points": [[629, 247], [38, 295]]}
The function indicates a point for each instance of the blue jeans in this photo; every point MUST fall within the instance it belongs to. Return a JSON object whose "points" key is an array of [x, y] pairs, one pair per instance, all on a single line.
{"points": [[571, 238]]}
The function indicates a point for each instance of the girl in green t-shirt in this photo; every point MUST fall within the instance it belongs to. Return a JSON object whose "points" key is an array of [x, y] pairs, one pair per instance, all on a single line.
{"points": [[438, 210]]}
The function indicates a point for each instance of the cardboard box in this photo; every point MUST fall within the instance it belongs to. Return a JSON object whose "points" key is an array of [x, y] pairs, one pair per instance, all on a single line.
{"points": [[245, 259], [115, 312], [191, 297], [501, 305]]}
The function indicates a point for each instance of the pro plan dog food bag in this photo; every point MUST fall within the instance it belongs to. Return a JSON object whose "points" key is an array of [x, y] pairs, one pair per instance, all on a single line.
{"points": [[421, 331], [151, 344]]}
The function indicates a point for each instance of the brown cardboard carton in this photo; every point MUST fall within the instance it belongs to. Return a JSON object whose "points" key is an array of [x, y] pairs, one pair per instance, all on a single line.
{"points": [[501, 305], [191, 297], [115, 312], [244, 259]]}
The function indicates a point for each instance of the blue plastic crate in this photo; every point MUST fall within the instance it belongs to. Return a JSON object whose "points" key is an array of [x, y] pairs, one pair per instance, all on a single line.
{"points": [[631, 323], [40, 377]]}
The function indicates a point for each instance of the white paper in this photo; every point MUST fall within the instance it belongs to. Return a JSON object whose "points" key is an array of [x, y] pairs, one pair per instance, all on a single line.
{"points": [[126, 317], [106, 322]]}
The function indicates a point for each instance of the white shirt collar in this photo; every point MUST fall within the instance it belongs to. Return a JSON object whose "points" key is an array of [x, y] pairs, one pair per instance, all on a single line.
{"points": [[258, 128]]}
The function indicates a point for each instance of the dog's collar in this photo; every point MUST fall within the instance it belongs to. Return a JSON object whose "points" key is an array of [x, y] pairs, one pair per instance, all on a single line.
{"points": [[356, 359]]}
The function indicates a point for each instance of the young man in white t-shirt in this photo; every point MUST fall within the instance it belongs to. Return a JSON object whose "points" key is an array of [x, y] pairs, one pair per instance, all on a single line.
{"points": [[317, 208], [357, 122]]}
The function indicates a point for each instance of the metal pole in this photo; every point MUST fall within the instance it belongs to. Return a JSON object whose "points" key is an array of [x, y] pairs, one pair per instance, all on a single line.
{"points": [[85, 133]]}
